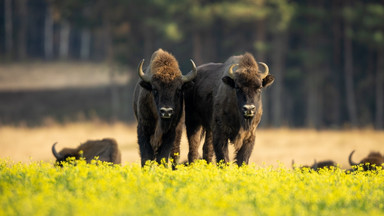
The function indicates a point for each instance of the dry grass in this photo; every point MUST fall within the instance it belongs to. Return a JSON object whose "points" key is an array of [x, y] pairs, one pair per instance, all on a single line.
{"points": [[273, 146], [305, 145], [25, 144]]}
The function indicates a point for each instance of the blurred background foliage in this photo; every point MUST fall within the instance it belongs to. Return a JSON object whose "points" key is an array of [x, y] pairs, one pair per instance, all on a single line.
{"points": [[327, 56]]}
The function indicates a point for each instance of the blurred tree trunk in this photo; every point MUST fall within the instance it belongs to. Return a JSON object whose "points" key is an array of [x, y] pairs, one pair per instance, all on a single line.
{"points": [[8, 22], [260, 35], [65, 30], [348, 77], [280, 45], [48, 34], [259, 38], [22, 13], [197, 47], [148, 42], [315, 69], [115, 103], [99, 45], [335, 114], [312, 98], [210, 44], [379, 121], [85, 44]]}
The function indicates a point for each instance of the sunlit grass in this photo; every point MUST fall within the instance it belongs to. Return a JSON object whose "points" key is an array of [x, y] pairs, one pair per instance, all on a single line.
{"points": [[39, 188], [272, 147], [34, 144]]}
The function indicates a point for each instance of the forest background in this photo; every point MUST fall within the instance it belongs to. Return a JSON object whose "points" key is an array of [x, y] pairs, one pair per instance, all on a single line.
{"points": [[327, 56]]}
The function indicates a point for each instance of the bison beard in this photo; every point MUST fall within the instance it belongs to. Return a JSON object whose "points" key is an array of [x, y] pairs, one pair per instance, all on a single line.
{"points": [[167, 124], [246, 122]]}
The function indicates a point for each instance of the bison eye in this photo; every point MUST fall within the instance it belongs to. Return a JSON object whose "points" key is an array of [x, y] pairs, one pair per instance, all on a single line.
{"points": [[155, 92]]}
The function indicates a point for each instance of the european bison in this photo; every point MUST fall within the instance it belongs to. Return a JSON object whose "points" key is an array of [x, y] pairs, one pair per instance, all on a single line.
{"points": [[159, 107], [368, 163], [316, 166], [225, 101], [105, 149]]}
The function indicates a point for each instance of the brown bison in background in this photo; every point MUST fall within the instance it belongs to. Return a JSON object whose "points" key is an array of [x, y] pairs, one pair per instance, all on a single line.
{"points": [[225, 101], [158, 106], [105, 149], [316, 166], [368, 163]]}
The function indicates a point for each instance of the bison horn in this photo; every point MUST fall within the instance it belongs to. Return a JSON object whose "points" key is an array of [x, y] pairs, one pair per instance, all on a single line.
{"points": [[142, 75], [54, 152], [266, 72], [315, 165], [191, 75], [350, 159], [230, 71]]}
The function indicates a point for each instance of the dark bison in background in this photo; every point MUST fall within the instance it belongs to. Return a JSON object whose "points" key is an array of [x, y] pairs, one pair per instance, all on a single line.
{"points": [[316, 166], [368, 163], [225, 101], [105, 149], [158, 106]]}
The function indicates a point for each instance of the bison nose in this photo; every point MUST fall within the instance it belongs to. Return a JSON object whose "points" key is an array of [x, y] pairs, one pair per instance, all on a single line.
{"points": [[249, 110], [166, 112]]}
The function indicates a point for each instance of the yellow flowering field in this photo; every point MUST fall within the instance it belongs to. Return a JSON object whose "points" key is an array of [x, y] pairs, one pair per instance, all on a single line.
{"points": [[39, 188]]}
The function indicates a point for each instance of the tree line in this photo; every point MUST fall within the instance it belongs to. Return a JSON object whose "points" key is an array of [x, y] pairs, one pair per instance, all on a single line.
{"points": [[327, 56]]}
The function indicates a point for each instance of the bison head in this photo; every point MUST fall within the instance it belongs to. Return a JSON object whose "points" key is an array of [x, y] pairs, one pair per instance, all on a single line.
{"points": [[166, 83], [317, 165], [64, 154], [248, 82], [370, 162]]}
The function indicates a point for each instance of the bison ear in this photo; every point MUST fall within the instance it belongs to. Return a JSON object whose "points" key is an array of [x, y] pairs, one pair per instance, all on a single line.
{"points": [[188, 85], [268, 80], [146, 85], [229, 81]]}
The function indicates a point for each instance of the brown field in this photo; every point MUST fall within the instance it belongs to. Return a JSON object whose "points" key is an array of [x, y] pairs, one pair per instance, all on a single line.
{"points": [[273, 146]]}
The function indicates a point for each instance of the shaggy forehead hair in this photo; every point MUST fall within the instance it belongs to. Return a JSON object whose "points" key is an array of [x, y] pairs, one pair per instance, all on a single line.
{"points": [[247, 71], [164, 66]]}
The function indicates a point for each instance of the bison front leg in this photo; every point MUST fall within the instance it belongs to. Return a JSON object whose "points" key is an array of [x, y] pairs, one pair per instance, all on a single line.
{"points": [[245, 151], [175, 152], [146, 151], [220, 144], [167, 144]]}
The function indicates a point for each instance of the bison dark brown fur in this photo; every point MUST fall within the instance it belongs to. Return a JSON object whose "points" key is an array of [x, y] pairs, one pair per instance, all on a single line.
{"points": [[105, 149], [316, 166], [225, 103], [368, 163], [158, 106]]}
